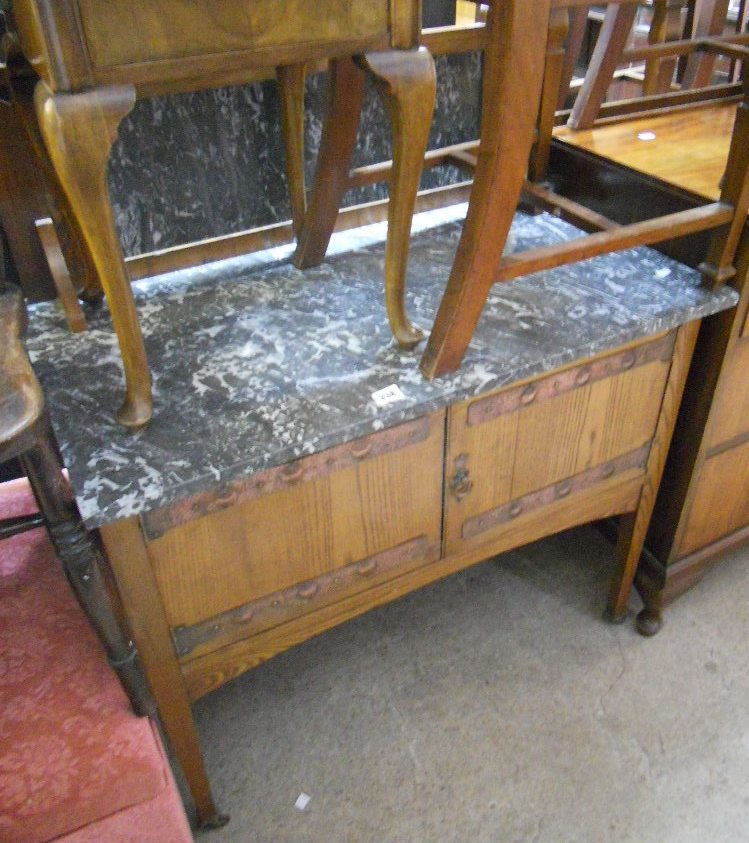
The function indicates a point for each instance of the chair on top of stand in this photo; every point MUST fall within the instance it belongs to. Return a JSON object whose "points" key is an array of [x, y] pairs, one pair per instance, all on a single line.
{"points": [[513, 145]]}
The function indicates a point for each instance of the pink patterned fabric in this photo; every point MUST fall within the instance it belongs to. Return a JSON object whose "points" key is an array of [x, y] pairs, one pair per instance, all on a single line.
{"points": [[71, 749], [161, 820]]}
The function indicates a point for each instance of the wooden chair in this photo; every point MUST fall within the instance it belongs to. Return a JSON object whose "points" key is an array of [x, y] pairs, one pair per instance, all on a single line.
{"points": [[26, 434], [609, 51], [90, 76]]}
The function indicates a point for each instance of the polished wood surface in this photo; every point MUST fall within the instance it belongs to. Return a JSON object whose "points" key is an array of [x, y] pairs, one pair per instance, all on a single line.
{"points": [[689, 148]]}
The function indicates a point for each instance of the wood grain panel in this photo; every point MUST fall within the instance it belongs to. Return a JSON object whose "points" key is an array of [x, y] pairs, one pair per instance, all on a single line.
{"points": [[540, 444], [210, 565], [721, 504], [174, 29], [731, 410], [207, 672]]}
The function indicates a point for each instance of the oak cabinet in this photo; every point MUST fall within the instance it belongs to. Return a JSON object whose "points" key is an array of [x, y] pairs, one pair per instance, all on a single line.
{"points": [[534, 447], [219, 582]]}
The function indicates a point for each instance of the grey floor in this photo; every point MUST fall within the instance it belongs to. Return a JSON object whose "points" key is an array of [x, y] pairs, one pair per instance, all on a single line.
{"points": [[497, 706]]}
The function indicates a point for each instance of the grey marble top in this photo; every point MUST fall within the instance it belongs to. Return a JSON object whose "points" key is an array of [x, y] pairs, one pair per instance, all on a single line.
{"points": [[255, 363]]}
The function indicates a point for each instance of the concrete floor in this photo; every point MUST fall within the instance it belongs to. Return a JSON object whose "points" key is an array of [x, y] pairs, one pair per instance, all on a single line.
{"points": [[496, 706]]}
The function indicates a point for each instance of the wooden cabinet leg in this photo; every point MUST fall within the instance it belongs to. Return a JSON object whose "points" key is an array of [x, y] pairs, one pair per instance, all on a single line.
{"points": [[144, 610], [617, 24], [407, 84], [291, 85], [78, 131], [506, 138], [634, 526], [345, 94]]}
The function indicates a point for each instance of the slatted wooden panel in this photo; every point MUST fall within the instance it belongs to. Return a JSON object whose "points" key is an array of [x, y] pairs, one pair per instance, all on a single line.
{"points": [[244, 552], [557, 441]]}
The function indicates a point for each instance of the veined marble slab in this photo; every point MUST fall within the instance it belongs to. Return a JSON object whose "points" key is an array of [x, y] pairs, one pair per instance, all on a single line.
{"points": [[255, 362]]}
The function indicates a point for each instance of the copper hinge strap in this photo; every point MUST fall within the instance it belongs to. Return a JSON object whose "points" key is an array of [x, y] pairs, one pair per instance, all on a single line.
{"points": [[280, 606], [556, 491], [281, 477], [543, 389]]}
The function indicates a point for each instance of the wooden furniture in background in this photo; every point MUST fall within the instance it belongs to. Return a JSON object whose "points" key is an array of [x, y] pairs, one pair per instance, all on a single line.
{"points": [[702, 508], [90, 75], [516, 69]]}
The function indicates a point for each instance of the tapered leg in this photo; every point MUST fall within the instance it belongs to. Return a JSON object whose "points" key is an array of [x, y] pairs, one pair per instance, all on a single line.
{"points": [[78, 131], [710, 21], [615, 30], [291, 84], [665, 26], [555, 56], [406, 81], [634, 526], [578, 20], [513, 74], [142, 604], [345, 93]]}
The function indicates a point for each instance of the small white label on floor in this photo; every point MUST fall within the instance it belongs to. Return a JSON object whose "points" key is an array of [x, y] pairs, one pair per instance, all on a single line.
{"points": [[302, 801], [389, 395]]}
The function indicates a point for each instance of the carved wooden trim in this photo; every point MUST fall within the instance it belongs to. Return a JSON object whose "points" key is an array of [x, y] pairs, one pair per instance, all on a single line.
{"points": [[156, 523], [510, 400], [281, 606], [548, 495]]}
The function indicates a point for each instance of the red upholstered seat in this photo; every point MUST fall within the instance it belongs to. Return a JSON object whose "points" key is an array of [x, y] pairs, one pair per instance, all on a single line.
{"points": [[72, 753]]}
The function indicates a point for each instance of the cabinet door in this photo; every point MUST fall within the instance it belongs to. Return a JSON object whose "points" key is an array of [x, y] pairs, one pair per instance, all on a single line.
{"points": [[292, 539], [559, 450]]}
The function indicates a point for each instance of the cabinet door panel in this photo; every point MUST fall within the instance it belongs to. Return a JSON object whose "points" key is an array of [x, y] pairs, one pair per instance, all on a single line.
{"points": [[731, 410], [345, 519], [721, 504], [524, 448]]}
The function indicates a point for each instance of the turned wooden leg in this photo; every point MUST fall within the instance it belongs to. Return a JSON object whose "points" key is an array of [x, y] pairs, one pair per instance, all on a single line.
{"points": [[138, 590], [81, 559], [634, 526], [555, 56], [78, 131], [291, 85], [649, 620], [506, 140], [345, 94], [615, 30], [407, 84]]}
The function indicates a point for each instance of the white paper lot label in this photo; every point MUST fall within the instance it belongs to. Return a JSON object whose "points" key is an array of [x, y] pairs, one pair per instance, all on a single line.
{"points": [[389, 395]]}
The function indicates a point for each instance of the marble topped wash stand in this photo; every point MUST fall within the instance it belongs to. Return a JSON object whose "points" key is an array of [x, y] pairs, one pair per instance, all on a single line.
{"points": [[76, 67], [272, 497]]}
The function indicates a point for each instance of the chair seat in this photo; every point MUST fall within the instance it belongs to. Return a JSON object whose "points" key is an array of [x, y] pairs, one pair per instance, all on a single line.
{"points": [[71, 749]]}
